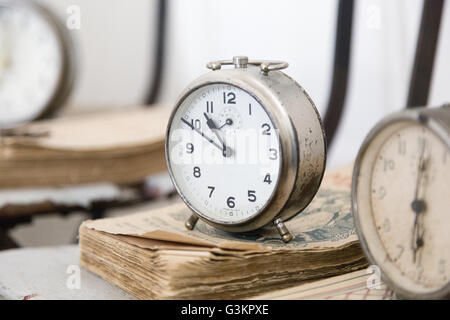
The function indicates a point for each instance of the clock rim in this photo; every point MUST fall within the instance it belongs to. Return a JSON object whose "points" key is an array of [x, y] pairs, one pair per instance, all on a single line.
{"points": [[66, 75], [68, 72]]}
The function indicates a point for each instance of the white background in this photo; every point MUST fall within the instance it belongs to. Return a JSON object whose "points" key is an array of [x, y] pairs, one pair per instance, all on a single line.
{"points": [[117, 36]]}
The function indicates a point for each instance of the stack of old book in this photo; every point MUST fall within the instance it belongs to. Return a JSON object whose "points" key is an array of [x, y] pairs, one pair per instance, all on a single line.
{"points": [[110, 146], [78, 159], [151, 255]]}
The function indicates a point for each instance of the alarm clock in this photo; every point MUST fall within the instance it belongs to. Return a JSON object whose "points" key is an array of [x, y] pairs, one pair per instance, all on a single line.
{"points": [[36, 62], [401, 201], [245, 146]]}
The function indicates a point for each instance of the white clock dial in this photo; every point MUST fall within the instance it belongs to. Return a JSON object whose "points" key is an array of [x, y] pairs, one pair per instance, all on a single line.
{"points": [[31, 63], [224, 184], [409, 199]]}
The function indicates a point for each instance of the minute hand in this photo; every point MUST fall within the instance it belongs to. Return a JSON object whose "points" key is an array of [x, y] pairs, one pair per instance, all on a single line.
{"points": [[210, 140]]}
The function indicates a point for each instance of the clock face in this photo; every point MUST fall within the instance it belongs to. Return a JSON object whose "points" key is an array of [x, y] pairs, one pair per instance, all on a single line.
{"points": [[224, 153], [409, 202], [31, 62]]}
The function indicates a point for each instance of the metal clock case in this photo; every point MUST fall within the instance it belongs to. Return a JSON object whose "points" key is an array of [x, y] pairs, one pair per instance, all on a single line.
{"points": [[34, 17], [400, 201], [300, 137]]}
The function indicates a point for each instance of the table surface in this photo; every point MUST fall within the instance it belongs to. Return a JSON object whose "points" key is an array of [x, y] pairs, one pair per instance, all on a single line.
{"points": [[54, 273], [51, 273]]}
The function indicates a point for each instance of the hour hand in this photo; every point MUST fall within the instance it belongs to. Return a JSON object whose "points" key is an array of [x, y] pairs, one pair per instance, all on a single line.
{"points": [[418, 236], [212, 125], [210, 122]]}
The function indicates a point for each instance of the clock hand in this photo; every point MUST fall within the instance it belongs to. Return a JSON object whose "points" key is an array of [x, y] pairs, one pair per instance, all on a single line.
{"points": [[212, 125], [418, 234], [228, 122], [419, 206], [203, 135]]}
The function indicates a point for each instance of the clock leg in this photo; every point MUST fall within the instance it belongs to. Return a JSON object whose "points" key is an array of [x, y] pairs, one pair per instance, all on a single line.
{"points": [[191, 222], [283, 230]]}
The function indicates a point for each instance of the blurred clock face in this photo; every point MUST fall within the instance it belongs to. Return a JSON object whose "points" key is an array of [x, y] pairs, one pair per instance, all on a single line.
{"points": [[31, 63], [403, 200], [410, 204]]}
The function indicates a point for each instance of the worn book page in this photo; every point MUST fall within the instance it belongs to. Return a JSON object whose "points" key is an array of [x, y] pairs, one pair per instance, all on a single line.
{"points": [[325, 224], [357, 285]]}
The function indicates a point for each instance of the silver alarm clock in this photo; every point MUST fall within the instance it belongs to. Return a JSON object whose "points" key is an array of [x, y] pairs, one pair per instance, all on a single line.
{"points": [[400, 201], [245, 146]]}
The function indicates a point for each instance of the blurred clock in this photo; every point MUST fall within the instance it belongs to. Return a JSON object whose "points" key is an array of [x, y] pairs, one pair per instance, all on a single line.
{"points": [[36, 62]]}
